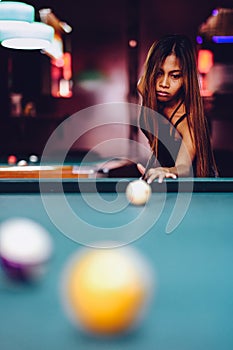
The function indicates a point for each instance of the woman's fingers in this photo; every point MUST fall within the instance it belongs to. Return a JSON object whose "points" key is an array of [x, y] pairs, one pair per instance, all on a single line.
{"points": [[156, 173], [160, 174]]}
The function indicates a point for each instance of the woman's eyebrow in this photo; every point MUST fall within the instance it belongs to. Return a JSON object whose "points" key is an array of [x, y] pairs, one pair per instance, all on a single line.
{"points": [[171, 71], [175, 70]]}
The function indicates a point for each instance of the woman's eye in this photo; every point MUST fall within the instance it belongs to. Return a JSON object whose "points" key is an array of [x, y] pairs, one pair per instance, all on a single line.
{"points": [[176, 76], [159, 74]]}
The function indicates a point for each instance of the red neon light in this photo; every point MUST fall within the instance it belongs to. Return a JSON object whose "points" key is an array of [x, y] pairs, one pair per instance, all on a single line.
{"points": [[205, 61]]}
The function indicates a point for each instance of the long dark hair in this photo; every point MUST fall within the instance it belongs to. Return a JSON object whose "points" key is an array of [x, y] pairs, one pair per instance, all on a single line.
{"points": [[181, 46]]}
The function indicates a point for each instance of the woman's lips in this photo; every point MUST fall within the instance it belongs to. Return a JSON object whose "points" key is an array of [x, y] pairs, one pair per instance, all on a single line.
{"points": [[162, 93]]}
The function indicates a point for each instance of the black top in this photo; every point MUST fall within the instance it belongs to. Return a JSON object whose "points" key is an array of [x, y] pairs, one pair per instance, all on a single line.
{"points": [[169, 141]]}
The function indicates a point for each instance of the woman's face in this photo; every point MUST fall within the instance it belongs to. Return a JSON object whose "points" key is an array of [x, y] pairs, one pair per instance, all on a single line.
{"points": [[169, 80]]}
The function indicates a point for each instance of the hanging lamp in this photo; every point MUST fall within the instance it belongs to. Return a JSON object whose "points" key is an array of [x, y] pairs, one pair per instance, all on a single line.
{"points": [[18, 30], [16, 11], [218, 27], [26, 36]]}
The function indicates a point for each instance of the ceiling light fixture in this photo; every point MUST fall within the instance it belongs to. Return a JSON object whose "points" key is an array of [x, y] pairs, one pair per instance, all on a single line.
{"points": [[16, 11], [26, 36], [18, 30], [218, 28]]}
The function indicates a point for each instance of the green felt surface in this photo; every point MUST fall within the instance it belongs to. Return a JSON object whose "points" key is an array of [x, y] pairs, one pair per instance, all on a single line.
{"points": [[193, 304]]}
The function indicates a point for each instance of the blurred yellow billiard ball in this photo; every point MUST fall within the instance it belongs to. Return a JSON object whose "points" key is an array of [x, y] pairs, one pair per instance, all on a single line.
{"points": [[107, 291]]}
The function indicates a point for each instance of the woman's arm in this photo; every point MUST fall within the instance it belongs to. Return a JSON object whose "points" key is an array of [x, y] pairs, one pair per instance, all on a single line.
{"points": [[183, 164]]}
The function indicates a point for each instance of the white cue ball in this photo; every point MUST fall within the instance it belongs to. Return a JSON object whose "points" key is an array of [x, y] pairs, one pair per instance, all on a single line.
{"points": [[25, 248], [138, 192]]}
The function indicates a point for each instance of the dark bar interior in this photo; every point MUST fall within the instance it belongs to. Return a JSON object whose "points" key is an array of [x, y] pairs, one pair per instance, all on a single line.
{"points": [[107, 45]]}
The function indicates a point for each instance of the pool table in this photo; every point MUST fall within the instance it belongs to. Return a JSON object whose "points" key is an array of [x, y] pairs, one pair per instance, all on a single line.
{"points": [[186, 233]]}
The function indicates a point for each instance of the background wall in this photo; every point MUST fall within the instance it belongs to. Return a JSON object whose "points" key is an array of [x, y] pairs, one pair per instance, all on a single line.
{"points": [[105, 67]]}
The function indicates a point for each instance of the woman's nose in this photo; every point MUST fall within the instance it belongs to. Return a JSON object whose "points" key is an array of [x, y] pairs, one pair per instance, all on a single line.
{"points": [[164, 82]]}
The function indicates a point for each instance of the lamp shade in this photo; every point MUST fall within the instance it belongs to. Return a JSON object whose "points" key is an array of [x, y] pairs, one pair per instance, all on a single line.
{"points": [[219, 26], [25, 36], [16, 11]]}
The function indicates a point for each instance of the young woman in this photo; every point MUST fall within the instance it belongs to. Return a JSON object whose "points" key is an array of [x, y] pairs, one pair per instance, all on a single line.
{"points": [[179, 140]]}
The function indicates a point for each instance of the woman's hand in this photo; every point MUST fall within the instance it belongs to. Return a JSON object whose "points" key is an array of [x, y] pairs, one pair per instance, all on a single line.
{"points": [[159, 173]]}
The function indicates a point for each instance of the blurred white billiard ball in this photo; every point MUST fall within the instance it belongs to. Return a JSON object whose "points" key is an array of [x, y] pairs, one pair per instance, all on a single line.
{"points": [[33, 158], [25, 248], [22, 162]]}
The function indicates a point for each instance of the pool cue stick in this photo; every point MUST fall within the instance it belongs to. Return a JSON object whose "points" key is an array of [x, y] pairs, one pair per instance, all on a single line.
{"points": [[148, 165]]}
